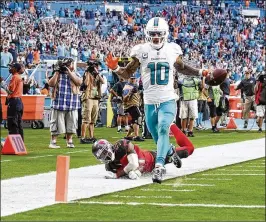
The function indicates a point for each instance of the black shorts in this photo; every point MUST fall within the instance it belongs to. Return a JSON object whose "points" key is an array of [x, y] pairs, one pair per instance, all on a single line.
{"points": [[201, 106], [222, 108], [134, 113], [212, 108]]}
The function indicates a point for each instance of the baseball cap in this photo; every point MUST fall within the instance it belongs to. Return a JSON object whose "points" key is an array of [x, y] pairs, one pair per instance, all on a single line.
{"points": [[17, 66]]}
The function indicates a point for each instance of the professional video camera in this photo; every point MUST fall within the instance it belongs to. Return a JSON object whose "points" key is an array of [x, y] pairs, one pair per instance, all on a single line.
{"points": [[93, 67], [62, 64]]}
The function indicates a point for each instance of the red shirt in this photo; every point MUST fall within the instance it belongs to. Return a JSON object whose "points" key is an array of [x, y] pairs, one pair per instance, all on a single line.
{"points": [[16, 86], [146, 160]]}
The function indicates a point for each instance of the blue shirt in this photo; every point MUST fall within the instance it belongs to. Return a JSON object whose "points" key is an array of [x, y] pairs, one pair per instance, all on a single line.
{"points": [[65, 100]]}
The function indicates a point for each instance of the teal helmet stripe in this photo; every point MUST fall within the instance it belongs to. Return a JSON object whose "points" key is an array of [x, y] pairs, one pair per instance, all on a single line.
{"points": [[156, 22]]}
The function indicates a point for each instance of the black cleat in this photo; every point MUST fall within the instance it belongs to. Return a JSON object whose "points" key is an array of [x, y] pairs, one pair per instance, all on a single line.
{"points": [[182, 153]]}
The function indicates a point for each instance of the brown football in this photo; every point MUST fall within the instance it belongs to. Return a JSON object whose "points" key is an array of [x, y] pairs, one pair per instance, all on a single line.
{"points": [[216, 78]]}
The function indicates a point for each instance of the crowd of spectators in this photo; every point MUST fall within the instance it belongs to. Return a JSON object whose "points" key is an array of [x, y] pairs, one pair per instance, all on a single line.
{"points": [[211, 37], [214, 37]]}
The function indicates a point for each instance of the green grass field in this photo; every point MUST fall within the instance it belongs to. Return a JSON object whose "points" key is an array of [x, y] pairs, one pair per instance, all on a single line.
{"points": [[147, 203]]}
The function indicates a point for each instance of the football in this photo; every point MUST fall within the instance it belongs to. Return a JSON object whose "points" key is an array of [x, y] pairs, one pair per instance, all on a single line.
{"points": [[216, 78]]}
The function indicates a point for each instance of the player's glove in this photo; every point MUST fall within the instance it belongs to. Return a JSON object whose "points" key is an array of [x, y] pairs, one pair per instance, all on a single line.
{"points": [[110, 175], [112, 62], [134, 174]]}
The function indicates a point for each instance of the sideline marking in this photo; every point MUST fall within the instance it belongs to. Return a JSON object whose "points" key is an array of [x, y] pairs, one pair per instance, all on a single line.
{"points": [[139, 197], [170, 205], [232, 174], [167, 190], [187, 184]]}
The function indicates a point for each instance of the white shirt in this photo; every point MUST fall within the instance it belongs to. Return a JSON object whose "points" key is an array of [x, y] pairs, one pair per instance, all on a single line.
{"points": [[157, 71]]}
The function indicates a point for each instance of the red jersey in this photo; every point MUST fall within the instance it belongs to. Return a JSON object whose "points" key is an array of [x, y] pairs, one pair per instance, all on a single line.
{"points": [[146, 160]]}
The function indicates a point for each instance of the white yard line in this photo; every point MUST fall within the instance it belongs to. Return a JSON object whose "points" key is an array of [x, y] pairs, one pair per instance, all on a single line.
{"points": [[189, 185], [250, 166], [32, 192], [2, 161], [191, 178], [233, 174], [168, 190], [143, 197], [233, 170], [172, 204]]}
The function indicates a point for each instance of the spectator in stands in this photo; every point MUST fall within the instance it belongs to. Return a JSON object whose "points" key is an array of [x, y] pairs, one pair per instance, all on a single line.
{"points": [[13, 52], [65, 102], [6, 57], [247, 87]]}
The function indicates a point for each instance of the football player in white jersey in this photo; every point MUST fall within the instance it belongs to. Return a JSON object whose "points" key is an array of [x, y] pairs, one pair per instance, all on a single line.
{"points": [[156, 59]]}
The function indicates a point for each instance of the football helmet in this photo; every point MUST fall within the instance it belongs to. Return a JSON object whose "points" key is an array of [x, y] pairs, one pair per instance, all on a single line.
{"points": [[103, 151], [156, 32]]}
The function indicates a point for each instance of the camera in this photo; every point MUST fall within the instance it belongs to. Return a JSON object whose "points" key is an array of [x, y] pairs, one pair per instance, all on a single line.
{"points": [[62, 64], [134, 89], [93, 68]]}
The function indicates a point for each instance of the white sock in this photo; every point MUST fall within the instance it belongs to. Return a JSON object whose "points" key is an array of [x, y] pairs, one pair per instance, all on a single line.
{"points": [[70, 141], [53, 141], [158, 165], [127, 127], [119, 128]]}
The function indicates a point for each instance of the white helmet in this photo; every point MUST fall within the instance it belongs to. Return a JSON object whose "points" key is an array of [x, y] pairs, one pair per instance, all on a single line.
{"points": [[157, 28]]}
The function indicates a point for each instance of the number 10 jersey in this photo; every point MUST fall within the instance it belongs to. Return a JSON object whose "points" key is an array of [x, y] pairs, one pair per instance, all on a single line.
{"points": [[157, 71]]}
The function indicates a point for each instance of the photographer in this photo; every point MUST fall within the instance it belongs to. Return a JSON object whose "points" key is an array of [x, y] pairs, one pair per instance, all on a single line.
{"points": [[117, 103], [90, 100], [65, 101], [131, 98]]}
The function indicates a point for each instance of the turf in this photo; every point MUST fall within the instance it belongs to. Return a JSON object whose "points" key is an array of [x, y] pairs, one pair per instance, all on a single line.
{"points": [[40, 159], [236, 190]]}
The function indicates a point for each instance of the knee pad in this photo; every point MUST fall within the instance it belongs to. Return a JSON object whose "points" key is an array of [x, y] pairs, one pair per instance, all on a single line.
{"points": [[163, 129]]}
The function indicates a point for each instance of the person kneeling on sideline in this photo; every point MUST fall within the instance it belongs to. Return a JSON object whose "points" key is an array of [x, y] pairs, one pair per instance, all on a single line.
{"points": [[126, 159]]}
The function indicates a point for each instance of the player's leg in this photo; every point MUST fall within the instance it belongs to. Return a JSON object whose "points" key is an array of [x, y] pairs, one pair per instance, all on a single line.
{"points": [[151, 118], [166, 115], [185, 148]]}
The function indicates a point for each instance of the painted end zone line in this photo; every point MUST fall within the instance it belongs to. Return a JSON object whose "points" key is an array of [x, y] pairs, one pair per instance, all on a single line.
{"points": [[170, 205]]}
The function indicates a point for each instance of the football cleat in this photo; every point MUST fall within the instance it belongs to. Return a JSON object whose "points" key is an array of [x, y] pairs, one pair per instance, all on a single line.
{"points": [[157, 174], [175, 158]]}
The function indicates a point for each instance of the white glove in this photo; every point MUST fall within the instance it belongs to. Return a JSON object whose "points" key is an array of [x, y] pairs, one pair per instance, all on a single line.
{"points": [[134, 174], [110, 175]]}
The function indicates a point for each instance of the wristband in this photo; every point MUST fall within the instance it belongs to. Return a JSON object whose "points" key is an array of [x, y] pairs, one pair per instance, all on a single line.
{"points": [[116, 69]]}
